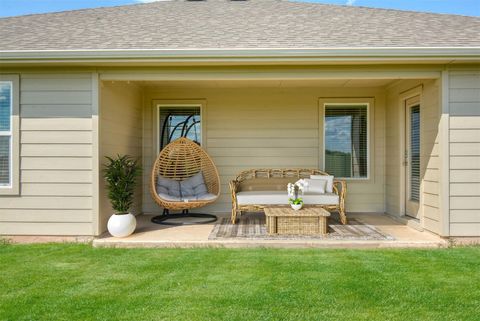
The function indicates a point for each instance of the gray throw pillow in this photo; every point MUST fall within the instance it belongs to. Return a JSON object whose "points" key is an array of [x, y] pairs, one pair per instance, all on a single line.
{"points": [[168, 186], [193, 186]]}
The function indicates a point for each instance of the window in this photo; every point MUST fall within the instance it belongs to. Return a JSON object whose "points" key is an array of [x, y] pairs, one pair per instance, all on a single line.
{"points": [[179, 121], [9, 135], [346, 140], [6, 108]]}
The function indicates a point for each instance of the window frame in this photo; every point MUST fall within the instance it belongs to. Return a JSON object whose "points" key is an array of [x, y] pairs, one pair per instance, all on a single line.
{"points": [[179, 104], [369, 103], [14, 187]]}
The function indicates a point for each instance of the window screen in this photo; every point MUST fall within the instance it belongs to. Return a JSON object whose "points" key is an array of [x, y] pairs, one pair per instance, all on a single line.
{"points": [[346, 140], [5, 132], [176, 122]]}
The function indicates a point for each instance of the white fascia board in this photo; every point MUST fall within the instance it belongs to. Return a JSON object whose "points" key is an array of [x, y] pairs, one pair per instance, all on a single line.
{"points": [[453, 53]]}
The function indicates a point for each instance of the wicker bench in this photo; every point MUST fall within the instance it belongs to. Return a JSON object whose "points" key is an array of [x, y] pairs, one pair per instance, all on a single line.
{"points": [[259, 184]]}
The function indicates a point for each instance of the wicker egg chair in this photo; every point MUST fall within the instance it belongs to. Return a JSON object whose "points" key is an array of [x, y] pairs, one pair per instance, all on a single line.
{"points": [[179, 161]]}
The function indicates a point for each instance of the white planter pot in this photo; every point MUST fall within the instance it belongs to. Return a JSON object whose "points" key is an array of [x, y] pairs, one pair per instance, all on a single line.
{"points": [[296, 207], [121, 225]]}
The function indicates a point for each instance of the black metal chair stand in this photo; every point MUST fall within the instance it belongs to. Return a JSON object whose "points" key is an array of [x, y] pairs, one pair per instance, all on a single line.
{"points": [[163, 219]]}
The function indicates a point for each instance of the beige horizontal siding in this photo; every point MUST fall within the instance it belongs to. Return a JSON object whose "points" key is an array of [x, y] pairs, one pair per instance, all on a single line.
{"points": [[52, 189], [55, 163], [464, 175], [46, 228], [465, 81], [54, 137], [465, 136], [56, 111], [264, 133], [56, 97], [44, 202], [464, 216], [465, 229], [464, 202], [464, 189], [464, 122], [47, 85], [56, 150], [56, 176], [464, 99], [465, 149], [120, 133], [45, 215], [57, 124], [464, 162], [56, 196], [431, 224]]}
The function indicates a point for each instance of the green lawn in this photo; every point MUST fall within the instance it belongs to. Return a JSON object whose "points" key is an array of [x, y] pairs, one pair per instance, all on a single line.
{"points": [[78, 282]]}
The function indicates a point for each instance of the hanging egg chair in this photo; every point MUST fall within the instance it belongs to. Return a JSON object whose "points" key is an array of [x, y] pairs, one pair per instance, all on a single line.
{"points": [[184, 177]]}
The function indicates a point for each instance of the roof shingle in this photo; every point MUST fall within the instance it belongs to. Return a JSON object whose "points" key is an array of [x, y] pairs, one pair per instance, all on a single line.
{"points": [[224, 24]]}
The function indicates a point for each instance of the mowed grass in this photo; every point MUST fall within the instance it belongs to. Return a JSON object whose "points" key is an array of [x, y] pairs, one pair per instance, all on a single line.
{"points": [[78, 282]]}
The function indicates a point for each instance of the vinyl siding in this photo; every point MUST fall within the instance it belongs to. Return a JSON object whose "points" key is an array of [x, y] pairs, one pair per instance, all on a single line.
{"points": [[120, 134], [56, 194], [268, 127], [464, 103], [429, 162]]}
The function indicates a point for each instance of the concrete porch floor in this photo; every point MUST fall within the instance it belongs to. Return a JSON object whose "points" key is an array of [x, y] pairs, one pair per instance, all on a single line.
{"points": [[149, 234]]}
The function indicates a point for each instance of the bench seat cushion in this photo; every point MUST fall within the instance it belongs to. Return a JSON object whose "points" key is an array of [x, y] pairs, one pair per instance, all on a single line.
{"points": [[281, 198]]}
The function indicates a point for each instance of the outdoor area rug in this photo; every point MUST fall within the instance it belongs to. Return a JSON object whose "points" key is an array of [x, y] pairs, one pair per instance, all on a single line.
{"points": [[252, 226]]}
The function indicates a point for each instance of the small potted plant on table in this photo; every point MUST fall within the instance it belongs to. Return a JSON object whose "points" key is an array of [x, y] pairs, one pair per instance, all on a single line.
{"points": [[295, 201], [120, 174]]}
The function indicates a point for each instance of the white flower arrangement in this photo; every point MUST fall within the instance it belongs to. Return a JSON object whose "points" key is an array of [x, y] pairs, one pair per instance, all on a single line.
{"points": [[293, 190]]}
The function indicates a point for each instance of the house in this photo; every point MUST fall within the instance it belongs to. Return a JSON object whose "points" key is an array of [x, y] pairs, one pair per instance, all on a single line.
{"points": [[387, 99]]}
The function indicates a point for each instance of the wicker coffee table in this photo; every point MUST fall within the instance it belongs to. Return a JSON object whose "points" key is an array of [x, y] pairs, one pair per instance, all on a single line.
{"points": [[286, 221]]}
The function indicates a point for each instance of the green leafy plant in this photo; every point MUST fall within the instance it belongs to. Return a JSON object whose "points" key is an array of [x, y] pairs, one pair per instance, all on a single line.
{"points": [[121, 174], [295, 201]]}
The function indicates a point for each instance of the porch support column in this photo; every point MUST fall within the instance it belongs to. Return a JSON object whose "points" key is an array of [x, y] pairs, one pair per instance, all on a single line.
{"points": [[95, 155], [445, 156]]}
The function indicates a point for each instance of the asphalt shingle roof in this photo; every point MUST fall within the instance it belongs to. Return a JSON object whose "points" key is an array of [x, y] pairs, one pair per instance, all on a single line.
{"points": [[226, 24]]}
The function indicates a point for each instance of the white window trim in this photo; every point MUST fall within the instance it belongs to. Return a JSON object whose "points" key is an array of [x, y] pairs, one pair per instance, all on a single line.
{"points": [[14, 187], [179, 104], [369, 102]]}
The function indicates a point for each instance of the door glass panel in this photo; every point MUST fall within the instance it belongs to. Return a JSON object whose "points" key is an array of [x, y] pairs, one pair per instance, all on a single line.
{"points": [[176, 122], [415, 153]]}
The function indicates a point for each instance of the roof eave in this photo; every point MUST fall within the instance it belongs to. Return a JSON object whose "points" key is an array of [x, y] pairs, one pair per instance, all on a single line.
{"points": [[320, 54]]}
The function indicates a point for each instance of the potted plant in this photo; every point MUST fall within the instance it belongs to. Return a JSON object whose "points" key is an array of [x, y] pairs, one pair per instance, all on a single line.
{"points": [[120, 174], [295, 201]]}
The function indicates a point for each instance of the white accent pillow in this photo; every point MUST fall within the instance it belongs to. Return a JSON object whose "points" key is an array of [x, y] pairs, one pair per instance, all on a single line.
{"points": [[315, 186], [328, 179]]}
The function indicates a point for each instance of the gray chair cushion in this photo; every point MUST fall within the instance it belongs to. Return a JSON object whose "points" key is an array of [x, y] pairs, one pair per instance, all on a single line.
{"points": [[191, 189], [169, 198], [168, 186], [193, 186], [203, 197]]}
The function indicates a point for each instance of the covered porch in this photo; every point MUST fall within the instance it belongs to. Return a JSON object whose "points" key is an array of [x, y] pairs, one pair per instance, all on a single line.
{"points": [[354, 123]]}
